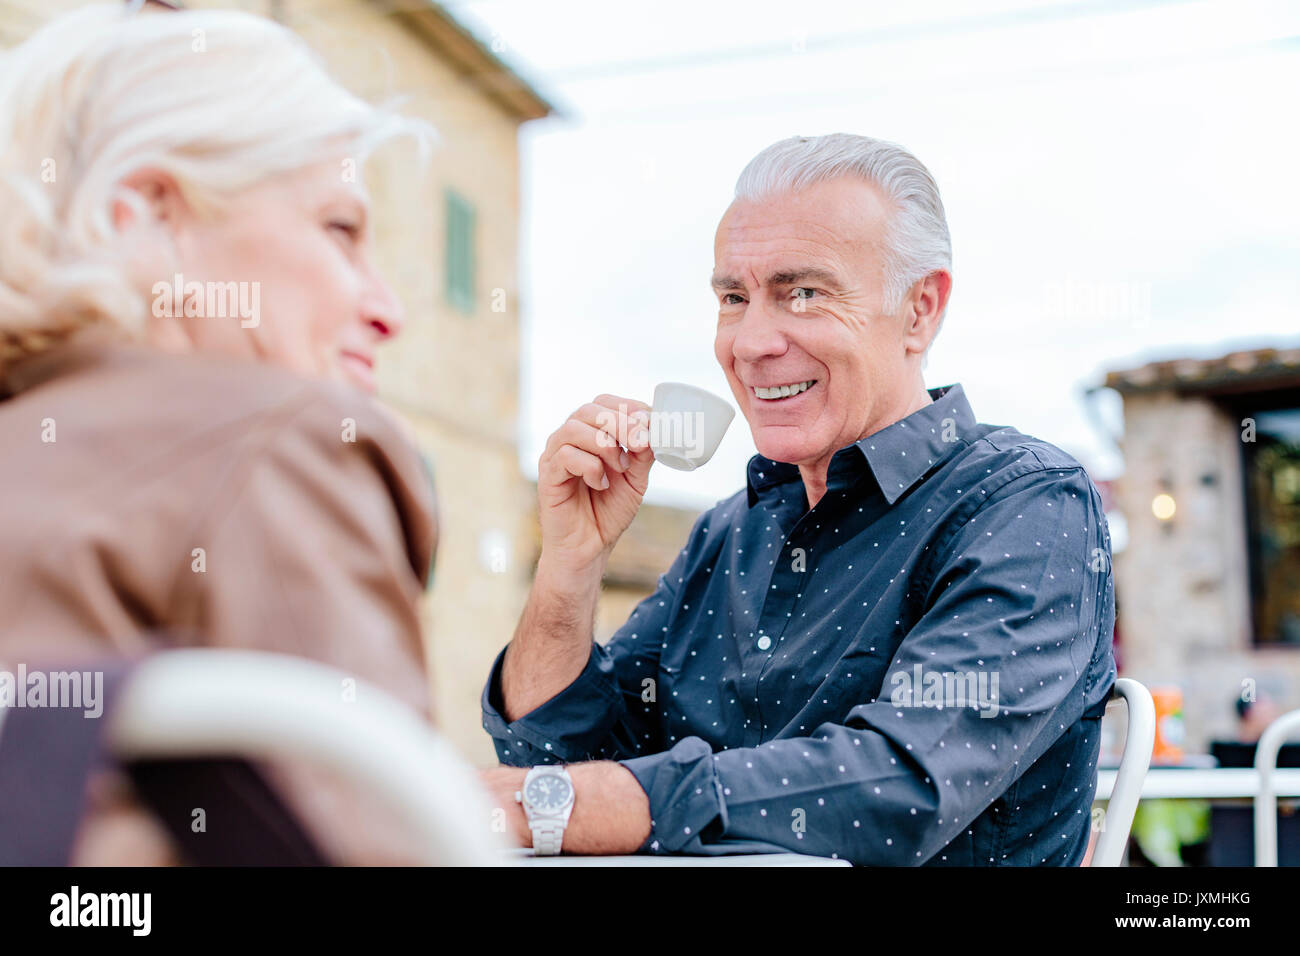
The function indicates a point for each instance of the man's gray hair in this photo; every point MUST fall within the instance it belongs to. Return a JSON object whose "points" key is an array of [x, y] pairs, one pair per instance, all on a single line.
{"points": [[917, 240]]}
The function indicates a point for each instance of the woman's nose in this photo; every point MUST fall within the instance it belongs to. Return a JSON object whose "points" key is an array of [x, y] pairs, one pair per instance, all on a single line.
{"points": [[384, 313]]}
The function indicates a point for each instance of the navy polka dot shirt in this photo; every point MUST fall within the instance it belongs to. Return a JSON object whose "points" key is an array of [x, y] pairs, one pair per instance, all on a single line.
{"points": [[911, 672]]}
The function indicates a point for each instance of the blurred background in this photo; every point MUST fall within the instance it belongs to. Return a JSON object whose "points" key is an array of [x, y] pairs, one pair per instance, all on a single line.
{"points": [[1120, 183]]}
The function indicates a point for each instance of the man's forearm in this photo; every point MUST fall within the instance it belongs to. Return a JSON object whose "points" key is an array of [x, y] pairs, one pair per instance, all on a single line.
{"points": [[552, 643], [611, 813]]}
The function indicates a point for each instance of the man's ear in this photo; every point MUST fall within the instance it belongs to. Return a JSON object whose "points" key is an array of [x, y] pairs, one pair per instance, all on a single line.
{"points": [[148, 195], [925, 309]]}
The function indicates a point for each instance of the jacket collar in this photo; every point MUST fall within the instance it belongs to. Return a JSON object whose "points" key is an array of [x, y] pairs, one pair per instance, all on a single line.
{"points": [[85, 347]]}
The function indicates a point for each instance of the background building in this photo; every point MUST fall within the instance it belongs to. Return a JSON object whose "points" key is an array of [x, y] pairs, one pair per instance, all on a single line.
{"points": [[1208, 586]]}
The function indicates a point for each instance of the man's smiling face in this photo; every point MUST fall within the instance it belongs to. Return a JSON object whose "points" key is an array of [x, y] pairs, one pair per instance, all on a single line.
{"points": [[811, 359]]}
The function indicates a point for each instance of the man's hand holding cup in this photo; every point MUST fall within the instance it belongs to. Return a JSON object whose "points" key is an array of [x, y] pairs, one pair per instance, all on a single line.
{"points": [[590, 481]]}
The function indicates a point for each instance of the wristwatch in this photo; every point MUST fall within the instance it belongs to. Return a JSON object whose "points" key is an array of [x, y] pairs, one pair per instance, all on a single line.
{"points": [[547, 796]]}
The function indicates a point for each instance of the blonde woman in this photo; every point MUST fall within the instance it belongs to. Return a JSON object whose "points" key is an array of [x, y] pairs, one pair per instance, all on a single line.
{"points": [[189, 319]]}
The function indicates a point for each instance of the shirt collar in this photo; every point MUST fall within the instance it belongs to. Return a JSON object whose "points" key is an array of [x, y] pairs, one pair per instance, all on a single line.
{"points": [[898, 455]]}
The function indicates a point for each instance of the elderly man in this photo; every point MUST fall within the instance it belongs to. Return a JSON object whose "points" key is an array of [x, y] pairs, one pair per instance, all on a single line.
{"points": [[892, 647]]}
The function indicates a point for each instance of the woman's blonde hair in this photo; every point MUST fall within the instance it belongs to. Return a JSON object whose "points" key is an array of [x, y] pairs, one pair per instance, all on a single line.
{"points": [[219, 100]]}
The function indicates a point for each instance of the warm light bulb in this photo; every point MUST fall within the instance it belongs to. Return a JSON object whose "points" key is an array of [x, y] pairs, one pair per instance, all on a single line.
{"points": [[1163, 507]]}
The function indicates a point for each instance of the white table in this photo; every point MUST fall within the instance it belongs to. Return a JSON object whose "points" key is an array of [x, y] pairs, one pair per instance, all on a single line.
{"points": [[1220, 783], [525, 856]]}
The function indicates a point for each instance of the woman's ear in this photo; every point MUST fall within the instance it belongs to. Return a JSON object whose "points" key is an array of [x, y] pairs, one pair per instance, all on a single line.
{"points": [[152, 218], [148, 195]]}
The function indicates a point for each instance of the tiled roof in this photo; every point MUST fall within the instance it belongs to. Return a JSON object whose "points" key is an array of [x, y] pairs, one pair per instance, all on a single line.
{"points": [[473, 60], [1250, 370]]}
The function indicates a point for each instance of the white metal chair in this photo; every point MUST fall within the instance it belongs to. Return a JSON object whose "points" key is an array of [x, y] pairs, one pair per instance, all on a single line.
{"points": [[260, 706], [1133, 765], [1270, 742]]}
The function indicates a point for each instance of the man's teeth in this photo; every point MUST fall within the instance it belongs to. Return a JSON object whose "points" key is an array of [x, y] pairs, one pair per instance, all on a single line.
{"points": [[784, 391]]}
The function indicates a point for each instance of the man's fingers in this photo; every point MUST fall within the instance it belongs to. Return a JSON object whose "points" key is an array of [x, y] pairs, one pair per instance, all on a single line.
{"points": [[639, 434], [639, 437], [611, 429], [571, 462], [638, 472], [625, 423], [594, 441], [615, 402]]}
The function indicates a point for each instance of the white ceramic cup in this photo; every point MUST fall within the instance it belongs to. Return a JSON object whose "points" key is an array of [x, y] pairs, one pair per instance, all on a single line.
{"points": [[687, 425]]}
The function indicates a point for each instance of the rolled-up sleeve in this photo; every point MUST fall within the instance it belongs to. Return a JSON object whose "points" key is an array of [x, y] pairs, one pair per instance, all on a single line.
{"points": [[1016, 599], [573, 725], [602, 714]]}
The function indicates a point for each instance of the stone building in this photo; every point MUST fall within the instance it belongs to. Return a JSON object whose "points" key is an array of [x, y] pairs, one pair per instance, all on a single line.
{"points": [[1208, 587]]}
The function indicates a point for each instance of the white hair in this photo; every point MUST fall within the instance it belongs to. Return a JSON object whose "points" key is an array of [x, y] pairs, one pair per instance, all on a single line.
{"points": [[219, 100], [917, 241]]}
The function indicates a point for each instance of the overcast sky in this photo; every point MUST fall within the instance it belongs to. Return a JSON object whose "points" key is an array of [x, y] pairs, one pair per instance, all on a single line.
{"points": [[1120, 181]]}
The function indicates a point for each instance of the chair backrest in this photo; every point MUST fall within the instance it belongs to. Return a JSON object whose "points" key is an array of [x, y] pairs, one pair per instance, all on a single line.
{"points": [[1270, 742], [262, 706], [1133, 765]]}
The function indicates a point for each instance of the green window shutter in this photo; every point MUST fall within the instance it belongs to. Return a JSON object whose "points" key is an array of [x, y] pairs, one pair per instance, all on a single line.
{"points": [[460, 252]]}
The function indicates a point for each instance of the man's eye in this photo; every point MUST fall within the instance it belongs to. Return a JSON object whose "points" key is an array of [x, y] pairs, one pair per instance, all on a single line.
{"points": [[803, 293], [349, 229], [727, 299]]}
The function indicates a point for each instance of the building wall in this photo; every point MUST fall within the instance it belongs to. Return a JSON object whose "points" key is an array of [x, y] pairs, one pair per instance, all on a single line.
{"points": [[1183, 586]]}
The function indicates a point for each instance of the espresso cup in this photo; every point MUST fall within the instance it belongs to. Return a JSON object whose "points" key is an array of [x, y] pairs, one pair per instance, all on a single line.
{"points": [[687, 425]]}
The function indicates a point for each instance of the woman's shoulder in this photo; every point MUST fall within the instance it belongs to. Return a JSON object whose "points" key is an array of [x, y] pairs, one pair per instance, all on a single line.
{"points": [[324, 440], [201, 432], [227, 401]]}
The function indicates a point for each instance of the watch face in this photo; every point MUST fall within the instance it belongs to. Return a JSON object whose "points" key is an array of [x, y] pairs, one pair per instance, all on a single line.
{"points": [[547, 793]]}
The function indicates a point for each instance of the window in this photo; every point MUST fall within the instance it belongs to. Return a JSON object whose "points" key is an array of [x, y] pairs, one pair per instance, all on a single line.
{"points": [[460, 252], [1272, 483]]}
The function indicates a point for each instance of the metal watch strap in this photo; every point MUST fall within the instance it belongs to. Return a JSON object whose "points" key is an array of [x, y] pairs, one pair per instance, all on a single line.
{"points": [[547, 836]]}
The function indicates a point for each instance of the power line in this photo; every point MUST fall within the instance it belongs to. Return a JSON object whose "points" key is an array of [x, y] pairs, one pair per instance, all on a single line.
{"points": [[810, 100], [956, 26]]}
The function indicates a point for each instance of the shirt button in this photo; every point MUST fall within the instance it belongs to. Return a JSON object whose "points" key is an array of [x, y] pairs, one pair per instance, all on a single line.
{"points": [[764, 642]]}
